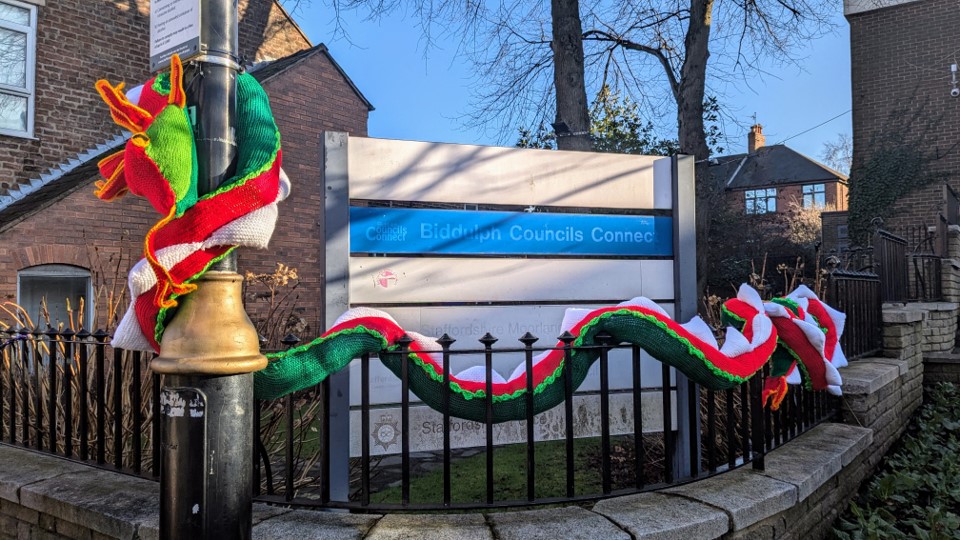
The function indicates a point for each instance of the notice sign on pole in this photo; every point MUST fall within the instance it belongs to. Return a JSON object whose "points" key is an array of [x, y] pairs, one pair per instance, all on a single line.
{"points": [[174, 29]]}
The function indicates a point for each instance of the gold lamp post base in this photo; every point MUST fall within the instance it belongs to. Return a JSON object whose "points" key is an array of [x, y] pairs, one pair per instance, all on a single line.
{"points": [[211, 333]]}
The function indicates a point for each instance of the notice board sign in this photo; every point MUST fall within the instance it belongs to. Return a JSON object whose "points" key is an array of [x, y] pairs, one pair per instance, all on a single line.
{"points": [[465, 240], [174, 29]]}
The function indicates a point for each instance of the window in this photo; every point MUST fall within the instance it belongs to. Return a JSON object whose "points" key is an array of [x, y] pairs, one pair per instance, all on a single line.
{"points": [[18, 35], [761, 201], [815, 196], [58, 284]]}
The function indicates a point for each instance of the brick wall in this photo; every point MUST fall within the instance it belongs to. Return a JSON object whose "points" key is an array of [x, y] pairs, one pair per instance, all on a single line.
{"points": [[900, 57], [833, 227], [787, 196], [81, 41], [106, 238]]}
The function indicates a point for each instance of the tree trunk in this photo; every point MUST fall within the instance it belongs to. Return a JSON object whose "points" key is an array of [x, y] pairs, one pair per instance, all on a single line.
{"points": [[691, 134], [568, 77]]}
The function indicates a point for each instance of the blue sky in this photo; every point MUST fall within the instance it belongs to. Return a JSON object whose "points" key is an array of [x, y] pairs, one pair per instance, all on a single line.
{"points": [[423, 98]]}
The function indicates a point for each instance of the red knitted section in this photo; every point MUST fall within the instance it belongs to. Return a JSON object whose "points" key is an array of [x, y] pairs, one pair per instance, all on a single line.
{"points": [[115, 183], [124, 113], [774, 390], [145, 179], [793, 338], [743, 311], [208, 215], [816, 309]]}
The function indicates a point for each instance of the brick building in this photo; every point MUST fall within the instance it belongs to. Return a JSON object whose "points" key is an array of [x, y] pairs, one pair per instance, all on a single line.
{"points": [[901, 53], [56, 238]]}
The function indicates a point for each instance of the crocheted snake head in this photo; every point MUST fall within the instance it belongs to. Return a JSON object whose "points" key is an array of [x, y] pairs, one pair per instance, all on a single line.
{"points": [[158, 162]]}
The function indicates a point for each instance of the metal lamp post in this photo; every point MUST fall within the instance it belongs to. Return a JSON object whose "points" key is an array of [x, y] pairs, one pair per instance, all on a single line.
{"points": [[210, 350]]}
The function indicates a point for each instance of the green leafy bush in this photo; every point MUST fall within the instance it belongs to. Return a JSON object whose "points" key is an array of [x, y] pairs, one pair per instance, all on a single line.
{"points": [[917, 492]]}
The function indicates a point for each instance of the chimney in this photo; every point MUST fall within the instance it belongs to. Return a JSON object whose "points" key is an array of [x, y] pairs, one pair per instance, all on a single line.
{"points": [[755, 139]]}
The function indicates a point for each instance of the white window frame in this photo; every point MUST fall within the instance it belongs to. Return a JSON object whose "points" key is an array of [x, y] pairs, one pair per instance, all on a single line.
{"points": [[812, 194], [30, 91], [764, 194], [53, 271]]}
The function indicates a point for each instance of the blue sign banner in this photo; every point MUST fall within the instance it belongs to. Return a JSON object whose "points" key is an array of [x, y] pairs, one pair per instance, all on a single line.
{"points": [[465, 232]]}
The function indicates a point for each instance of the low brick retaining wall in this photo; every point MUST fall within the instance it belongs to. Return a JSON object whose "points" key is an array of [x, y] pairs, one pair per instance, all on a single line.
{"points": [[805, 485], [941, 367]]}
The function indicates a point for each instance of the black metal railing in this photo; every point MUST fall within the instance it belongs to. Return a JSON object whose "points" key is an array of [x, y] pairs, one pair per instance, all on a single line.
{"points": [[890, 263], [76, 396], [860, 296]]}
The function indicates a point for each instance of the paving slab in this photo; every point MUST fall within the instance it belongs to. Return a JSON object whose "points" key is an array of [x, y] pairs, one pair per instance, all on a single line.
{"points": [[432, 526], [655, 516], [112, 504], [263, 512], [314, 524], [570, 523], [745, 495], [22, 467]]}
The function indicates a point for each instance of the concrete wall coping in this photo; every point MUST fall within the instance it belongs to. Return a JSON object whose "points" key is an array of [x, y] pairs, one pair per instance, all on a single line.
{"points": [[127, 507], [871, 374], [934, 306], [898, 314]]}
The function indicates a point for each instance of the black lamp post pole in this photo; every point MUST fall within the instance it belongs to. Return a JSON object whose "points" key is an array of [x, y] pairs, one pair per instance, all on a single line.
{"points": [[207, 402]]}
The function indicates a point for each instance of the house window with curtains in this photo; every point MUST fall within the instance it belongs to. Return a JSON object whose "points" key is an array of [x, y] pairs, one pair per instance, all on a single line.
{"points": [[18, 38]]}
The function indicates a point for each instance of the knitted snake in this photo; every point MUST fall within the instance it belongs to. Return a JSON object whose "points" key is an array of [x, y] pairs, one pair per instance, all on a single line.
{"points": [[159, 162], [798, 334]]}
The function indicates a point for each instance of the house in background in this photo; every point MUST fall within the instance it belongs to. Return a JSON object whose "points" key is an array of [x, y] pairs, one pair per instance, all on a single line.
{"points": [[770, 216], [57, 240], [773, 180]]}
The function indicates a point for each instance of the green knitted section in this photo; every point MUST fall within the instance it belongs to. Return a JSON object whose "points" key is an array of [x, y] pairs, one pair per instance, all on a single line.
{"points": [[309, 365], [789, 304], [728, 318], [171, 148], [257, 128], [161, 84]]}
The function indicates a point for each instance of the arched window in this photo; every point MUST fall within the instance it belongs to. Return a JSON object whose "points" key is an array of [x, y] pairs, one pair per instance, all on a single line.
{"points": [[58, 284]]}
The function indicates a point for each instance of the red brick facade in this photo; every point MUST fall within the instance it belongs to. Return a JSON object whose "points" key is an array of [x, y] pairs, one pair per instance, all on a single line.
{"points": [[308, 97], [900, 58], [835, 194], [80, 41]]}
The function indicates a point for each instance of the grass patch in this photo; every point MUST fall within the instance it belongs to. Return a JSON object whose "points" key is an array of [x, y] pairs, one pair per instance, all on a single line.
{"points": [[916, 494], [468, 475]]}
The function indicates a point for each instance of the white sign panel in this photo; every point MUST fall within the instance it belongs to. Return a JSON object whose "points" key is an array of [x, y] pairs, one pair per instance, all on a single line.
{"points": [[426, 424], [174, 29]]}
